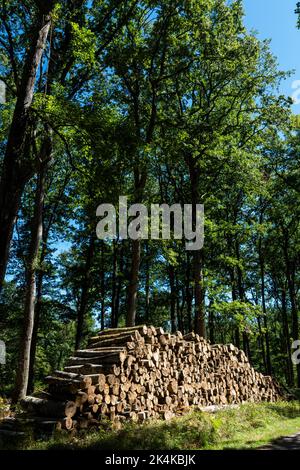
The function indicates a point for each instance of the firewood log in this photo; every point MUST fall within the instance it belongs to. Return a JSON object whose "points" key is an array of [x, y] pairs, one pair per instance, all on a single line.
{"points": [[49, 407]]}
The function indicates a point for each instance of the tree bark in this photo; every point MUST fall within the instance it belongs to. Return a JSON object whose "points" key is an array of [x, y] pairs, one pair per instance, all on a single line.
{"points": [[246, 345], [119, 285], [211, 326], [236, 333], [261, 344], [30, 295], [133, 282], [197, 254], [113, 286], [140, 178], [40, 278], [34, 340], [172, 298], [179, 305], [17, 167], [147, 285], [263, 300], [84, 292], [102, 286], [286, 330], [188, 294], [290, 275], [199, 295]]}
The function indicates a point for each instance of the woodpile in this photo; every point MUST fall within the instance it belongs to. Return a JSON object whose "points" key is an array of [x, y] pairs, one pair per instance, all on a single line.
{"points": [[141, 372]]}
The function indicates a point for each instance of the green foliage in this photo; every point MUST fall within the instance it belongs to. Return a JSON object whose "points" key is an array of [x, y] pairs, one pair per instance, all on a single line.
{"points": [[297, 11], [83, 44], [247, 426]]}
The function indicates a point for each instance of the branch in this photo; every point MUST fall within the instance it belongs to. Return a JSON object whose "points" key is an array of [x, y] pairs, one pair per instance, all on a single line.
{"points": [[10, 47]]}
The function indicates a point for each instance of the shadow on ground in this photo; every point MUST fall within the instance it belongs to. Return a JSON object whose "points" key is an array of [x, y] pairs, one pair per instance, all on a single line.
{"points": [[284, 443]]}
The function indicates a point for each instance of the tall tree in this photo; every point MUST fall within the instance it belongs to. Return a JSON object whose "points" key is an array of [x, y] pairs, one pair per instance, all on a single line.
{"points": [[18, 165]]}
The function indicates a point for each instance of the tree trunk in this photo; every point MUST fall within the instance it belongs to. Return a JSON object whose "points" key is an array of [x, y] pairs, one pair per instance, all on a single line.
{"points": [[30, 295], [40, 277], [211, 325], [261, 344], [133, 282], [34, 340], [179, 305], [237, 339], [188, 294], [246, 345], [236, 333], [102, 287], [84, 292], [113, 286], [147, 285], [263, 299], [290, 275], [172, 299], [242, 297], [140, 178], [197, 254], [119, 285], [199, 295], [286, 330], [17, 166]]}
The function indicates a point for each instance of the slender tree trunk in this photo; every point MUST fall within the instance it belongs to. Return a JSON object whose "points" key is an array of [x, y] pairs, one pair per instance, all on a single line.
{"points": [[172, 298], [294, 309], [113, 287], [17, 167], [290, 275], [263, 299], [197, 254], [261, 344], [40, 276], [30, 295], [286, 330], [147, 285], [199, 294], [239, 277], [119, 285], [102, 317], [84, 292], [147, 295], [242, 297], [188, 294], [246, 345], [237, 340], [140, 178], [179, 305], [211, 326], [102, 286], [133, 283], [34, 341]]}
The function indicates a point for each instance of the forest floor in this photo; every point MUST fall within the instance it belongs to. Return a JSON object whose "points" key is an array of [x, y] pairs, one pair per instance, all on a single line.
{"points": [[284, 443], [250, 426]]}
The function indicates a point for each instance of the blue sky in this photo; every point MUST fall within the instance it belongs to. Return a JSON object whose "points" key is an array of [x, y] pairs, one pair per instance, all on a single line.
{"points": [[276, 20]]}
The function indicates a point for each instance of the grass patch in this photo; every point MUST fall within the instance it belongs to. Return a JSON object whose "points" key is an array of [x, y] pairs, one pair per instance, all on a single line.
{"points": [[252, 426], [246, 427]]}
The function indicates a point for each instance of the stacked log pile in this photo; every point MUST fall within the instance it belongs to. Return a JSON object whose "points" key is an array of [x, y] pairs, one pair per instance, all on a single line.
{"points": [[141, 372]]}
